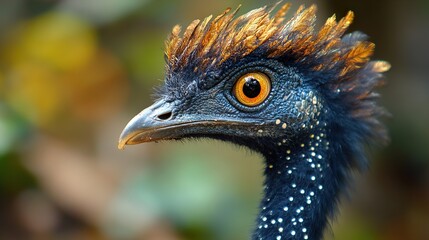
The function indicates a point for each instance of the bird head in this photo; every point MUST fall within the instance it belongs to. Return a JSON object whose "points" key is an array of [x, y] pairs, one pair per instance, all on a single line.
{"points": [[258, 80]]}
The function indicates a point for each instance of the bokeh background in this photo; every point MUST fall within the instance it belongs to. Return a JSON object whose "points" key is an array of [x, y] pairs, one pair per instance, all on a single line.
{"points": [[73, 72]]}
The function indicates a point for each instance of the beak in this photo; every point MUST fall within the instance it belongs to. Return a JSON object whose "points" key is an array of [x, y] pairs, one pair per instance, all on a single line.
{"points": [[147, 126], [158, 122]]}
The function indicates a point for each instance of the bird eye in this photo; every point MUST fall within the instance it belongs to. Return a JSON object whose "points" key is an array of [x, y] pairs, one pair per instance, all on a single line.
{"points": [[252, 89]]}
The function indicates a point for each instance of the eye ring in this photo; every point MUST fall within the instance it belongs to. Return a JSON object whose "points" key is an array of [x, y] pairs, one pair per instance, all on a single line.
{"points": [[252, 89]]}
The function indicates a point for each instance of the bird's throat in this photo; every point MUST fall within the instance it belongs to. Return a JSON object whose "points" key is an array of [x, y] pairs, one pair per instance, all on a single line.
{"points": [[301, 188]]}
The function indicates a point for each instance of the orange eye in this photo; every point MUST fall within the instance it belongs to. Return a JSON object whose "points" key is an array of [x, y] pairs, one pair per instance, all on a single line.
{"points": [[252, 89]]}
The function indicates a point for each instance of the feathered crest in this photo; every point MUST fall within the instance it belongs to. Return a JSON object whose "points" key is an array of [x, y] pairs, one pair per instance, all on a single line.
{"points": [[209, 43]]}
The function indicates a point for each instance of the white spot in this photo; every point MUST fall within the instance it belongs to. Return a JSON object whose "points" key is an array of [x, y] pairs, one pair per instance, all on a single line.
{"points": [[291, 199], [284, 125], [279, 237], [264, 219], [320, 187], [300, 220], [280, 229], [306, 236], [293, 233], [285, 209], [280, 220], [313, 178], [273, 221], [304, 230], [302, 191], [278, 121]]}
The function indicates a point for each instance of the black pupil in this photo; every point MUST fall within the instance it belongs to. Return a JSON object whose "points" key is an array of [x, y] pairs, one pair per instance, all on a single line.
{"points": [[251, 87]]}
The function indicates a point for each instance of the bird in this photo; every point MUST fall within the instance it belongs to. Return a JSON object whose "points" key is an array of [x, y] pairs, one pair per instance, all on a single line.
{"points": [[304, 98]]}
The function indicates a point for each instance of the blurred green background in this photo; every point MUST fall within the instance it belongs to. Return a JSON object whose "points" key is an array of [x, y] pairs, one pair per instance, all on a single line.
{"points": [[73, 72]]}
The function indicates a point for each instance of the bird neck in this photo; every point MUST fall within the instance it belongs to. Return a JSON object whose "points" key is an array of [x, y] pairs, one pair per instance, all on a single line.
{"points": [[301, 189]]}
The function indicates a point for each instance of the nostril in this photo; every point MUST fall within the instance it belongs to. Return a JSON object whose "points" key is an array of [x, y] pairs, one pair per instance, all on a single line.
{"points": [[164, 116]]}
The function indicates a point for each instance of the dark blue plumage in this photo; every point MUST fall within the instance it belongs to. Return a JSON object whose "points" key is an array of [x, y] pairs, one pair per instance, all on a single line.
{"points": [[312, 125]]}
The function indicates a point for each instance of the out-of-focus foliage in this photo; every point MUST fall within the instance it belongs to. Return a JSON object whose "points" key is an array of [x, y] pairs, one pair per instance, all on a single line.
{"points": [[55, 69], [73, 72]]}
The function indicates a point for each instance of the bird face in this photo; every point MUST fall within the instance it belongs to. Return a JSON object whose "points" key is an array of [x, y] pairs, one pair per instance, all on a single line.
{"points": [[246, 103], [257, 80]]}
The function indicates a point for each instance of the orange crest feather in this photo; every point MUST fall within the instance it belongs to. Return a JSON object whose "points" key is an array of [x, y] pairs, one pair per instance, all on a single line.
{"points": [[212, 42]]}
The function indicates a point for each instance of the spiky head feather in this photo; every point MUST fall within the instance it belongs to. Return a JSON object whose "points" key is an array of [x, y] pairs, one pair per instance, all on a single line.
{"points": [[209, 43]]}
